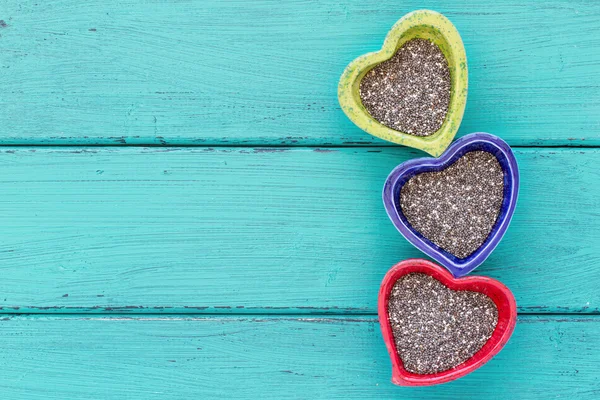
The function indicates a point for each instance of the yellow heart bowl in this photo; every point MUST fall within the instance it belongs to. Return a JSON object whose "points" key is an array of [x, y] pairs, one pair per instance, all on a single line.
{"points": [[422, 24]]}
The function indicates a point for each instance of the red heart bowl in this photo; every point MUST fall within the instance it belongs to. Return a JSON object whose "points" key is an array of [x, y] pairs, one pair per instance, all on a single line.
{"points": [[500, 294]]}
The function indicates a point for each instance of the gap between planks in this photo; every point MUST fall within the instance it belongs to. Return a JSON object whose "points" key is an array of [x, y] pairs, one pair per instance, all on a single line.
{"points": [[140, 311], [255, 317], [120, 142]]}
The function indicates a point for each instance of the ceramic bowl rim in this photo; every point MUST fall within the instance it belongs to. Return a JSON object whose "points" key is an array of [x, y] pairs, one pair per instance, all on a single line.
{"points": [[498, 292], [436, 143], [398, 176]]}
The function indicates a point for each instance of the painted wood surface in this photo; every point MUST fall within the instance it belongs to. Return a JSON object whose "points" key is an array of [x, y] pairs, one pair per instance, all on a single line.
{"points": [[262, 230], [274, 358], [128, 254], [265, 72]]}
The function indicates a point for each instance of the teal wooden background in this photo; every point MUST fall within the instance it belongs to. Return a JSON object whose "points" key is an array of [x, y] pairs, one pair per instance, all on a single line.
{"points": [[187, 213]]}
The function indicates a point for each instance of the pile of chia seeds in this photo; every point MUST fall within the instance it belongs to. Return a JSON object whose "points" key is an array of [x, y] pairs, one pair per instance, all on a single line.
{"points": [[410, 92], [435, 328], [456, 208]]}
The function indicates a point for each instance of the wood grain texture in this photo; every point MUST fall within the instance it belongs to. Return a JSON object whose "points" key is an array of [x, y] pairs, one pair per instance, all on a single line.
{"points": [[262, 230], [241, 230], [265, 72], [274, 358]]}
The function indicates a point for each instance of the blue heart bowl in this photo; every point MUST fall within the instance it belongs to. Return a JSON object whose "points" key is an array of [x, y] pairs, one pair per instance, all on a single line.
{"points": [[403, 172]]}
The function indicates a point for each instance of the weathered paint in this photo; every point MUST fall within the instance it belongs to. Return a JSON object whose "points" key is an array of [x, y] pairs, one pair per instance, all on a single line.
{"points": [[157, 357], [209, 72], [139, 235], [143, 238], [422, 24]]}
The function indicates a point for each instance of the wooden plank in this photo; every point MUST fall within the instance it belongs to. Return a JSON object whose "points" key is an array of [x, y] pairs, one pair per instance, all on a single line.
{"points": [[329, 358], [262, 230], [258, 72]]}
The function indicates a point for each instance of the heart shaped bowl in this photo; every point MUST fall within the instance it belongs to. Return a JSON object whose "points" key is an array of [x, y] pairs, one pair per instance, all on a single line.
{"points": [[424, 24], [402, 173], [500, 295]]}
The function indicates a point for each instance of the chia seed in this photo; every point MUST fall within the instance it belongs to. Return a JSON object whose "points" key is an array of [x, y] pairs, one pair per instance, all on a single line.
{"points": [[436, 328], [456, 208], [410, 92]]}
